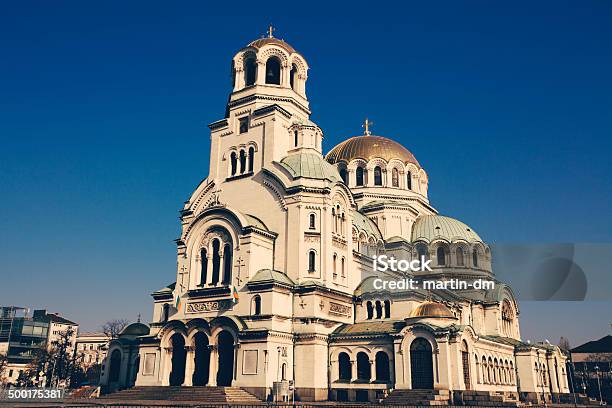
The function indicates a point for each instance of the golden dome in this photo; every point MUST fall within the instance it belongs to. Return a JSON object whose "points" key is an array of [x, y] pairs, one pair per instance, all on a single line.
{"points": [[431, 309], [260, 42], [369, 147]]}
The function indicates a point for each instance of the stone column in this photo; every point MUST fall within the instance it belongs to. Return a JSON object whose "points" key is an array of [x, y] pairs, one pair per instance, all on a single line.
{"points": [[209, 270], [166, 365], [353, 370], [399, 374], [442, 366], [372, 371], [189, 365], [212, 371], [261, 72]]}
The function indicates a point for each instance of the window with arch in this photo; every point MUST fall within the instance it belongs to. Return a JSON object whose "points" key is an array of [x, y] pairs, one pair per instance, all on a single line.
{"points": [[507, 319], [394, 177], [233, 163], [165, 312], [334, 264], [387, 309], [273, 71], [344, 176], [250, 71], [369, 310], [292, 77], [377, 176], [475, 258], [359, 176], [227, 264], [295, 138], [460, 257], [422, 252], [344, 367], [342, 267], [312, 257], [409, 180], [216, 260], [364, 371], [379, 310], [203, 265], [312, 220], [251, 158], [382, 366], [256, 306], [243, 160], [441, 256]]}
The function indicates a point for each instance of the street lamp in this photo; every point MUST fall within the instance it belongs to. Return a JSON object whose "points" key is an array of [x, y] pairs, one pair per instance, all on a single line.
{"points": [[598, 384]]}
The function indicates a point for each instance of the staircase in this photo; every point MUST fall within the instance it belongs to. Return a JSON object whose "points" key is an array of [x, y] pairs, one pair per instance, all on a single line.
{"points": [[209, 395], [418, 397]]}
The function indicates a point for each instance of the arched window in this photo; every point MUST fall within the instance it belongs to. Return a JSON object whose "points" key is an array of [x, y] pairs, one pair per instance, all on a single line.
{"points": [[344, 176], [242, 161], [165, 312], [441, 256], [273, 71], [379, 309], [344, 367], [295, 138], [227, 264], [387, 309], [334, 262], [250, 71], [409, 180], [284, 371], [312, 221], [475, 258], [342, 263], [370, 310], [292, 77], [251, 158], [256, 307], [382, 366], [216, 260], [115, 366], [311, 260], [422, 251], [203, 265], [460, 258], [377, 176], [364, 371], [233, 163], [395, 178], [359, 176]]}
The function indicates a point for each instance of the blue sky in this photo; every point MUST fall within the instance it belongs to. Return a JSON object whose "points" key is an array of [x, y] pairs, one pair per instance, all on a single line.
{"points": [[104, 107]]}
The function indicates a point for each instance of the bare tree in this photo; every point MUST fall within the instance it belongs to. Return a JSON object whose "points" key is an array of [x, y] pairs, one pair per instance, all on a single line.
{"points": [[564, 344], [112, 328]]}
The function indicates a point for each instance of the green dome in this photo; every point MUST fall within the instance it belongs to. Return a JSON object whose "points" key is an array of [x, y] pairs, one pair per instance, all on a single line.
{"points": [[310, 165], [430, 227]]}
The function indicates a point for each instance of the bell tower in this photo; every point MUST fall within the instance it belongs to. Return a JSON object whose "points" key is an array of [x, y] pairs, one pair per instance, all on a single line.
{"points": [[267, 115]]}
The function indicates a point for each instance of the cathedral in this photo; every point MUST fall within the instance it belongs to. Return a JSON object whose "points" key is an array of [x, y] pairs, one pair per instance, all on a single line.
{"points": [[275, 290]]}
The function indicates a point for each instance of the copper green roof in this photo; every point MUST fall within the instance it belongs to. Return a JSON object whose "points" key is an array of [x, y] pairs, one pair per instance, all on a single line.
{"points": [[380, 327], [310, 165], [363, 223], [167, 289], [430, 227], [269, 275]]}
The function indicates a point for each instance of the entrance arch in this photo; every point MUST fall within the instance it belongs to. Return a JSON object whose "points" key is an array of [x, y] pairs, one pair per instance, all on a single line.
{"points": [[115, 366], [201, 359], [179, 355], [225, 347], [421, 364]]}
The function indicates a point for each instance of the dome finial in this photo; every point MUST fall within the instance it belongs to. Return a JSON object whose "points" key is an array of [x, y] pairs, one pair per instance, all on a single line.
{"points": [[366, 127], [271, 29]]}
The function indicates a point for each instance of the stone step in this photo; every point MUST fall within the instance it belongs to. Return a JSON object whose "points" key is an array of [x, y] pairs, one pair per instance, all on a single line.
{"points": [[200, 394]]}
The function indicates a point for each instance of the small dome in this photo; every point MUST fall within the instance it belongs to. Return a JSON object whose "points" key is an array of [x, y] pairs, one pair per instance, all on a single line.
{"points": [[310, 165], [272, 41], [432, 309], [369, 147], [429, 227], [135, 329]]}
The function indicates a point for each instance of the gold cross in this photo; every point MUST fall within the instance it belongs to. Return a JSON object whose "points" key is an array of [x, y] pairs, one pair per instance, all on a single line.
{"points": [[366, 126], [270, 30]]}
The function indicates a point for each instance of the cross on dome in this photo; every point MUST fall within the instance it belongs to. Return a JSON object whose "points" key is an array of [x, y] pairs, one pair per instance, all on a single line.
{"points": [[271, 29], [366, 127]]}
